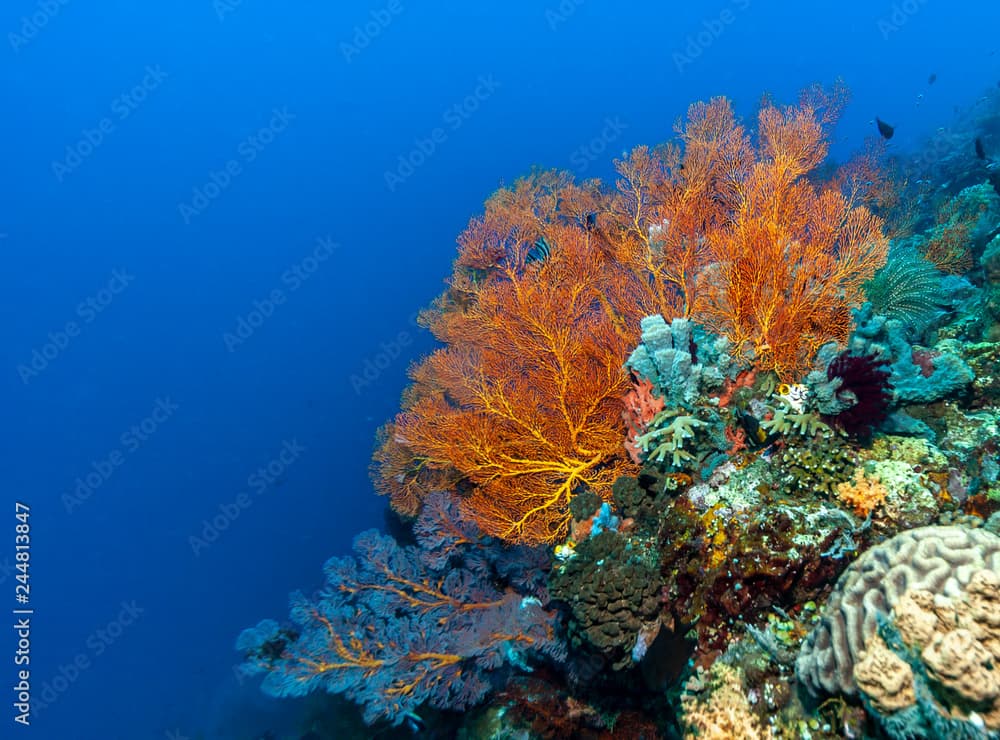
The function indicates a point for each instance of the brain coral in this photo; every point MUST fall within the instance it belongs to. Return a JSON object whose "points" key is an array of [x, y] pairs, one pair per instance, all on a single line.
{"points": [[936, 559], [933, 675]]}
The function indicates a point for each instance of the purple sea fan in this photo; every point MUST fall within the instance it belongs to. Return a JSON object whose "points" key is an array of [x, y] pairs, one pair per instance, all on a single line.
{"points": [[438, 623], [865, 382]]}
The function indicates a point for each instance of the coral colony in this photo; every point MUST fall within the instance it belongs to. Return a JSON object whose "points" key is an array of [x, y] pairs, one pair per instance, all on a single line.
{"points": [[711, 453]]}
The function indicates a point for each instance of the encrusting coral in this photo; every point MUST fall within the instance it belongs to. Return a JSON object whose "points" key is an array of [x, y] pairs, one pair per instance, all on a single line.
{"points": [[884, 677], [722, 711]]}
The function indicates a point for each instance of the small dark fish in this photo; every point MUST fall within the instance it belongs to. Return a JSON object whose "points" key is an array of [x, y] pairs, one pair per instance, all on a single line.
{"points": [[994, 179], [591, 220], [755, 435], [757, 438], [539, 252], [932, 79], [884, 128], [980, 152]]}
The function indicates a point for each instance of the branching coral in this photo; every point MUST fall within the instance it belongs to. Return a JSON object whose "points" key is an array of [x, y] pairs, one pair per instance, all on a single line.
{"points": [[667, 436], [784, 422]]}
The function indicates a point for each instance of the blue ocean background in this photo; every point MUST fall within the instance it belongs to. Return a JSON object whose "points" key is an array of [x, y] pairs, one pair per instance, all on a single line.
{"points": [[218, 222]]}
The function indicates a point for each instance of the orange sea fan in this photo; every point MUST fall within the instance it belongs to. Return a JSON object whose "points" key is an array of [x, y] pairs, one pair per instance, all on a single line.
{"points": [[521, 408]]}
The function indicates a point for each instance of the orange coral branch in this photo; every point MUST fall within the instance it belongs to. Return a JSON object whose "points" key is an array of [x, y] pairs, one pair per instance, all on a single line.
{"points": [[520, 409]]}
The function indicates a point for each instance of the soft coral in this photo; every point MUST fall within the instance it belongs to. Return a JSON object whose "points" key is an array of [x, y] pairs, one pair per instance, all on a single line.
{"points": [[865, 380]]}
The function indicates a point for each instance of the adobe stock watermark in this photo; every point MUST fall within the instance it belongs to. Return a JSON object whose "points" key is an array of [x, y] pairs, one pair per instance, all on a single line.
{"points": [[365, 33], [223, 8], [32, 25], [96, 644], [86, 313], [291, 280], [102, 469], [240, 672], [92, 138], [934, 150], [453, 118], [584, 155], [899, 15], [219, 181], [6, 570], [558, 15], [698, 43], [376, 363], [258, 482]]}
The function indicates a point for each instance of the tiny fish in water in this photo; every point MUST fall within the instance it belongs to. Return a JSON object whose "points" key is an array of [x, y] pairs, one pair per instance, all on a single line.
{"points": [[980, 152], [539, 252], [932, 79], [884, 128], [591, 220], [414, 722]]}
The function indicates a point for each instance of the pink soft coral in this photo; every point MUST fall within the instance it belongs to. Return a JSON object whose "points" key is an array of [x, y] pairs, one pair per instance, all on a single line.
{"points": [[641, 405]]}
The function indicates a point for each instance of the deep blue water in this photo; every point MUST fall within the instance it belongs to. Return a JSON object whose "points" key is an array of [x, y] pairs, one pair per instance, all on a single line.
{"points": [[218, 220]]}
